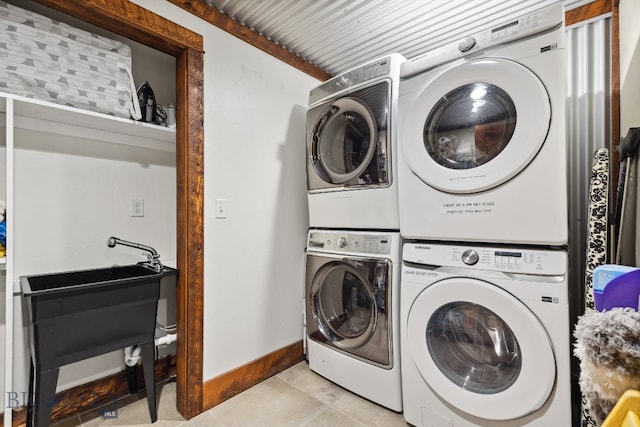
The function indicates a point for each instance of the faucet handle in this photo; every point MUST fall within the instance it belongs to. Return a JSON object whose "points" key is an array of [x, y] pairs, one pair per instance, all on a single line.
{"points": [[152, 257], [154, 261]]}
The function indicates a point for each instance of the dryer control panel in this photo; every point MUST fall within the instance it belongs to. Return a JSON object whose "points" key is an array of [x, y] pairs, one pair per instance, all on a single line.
{"points": [[349, 243], [354, 77], [507, 260]]}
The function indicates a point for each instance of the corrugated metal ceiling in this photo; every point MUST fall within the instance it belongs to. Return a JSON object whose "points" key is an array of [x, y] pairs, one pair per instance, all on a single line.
{"points": [[336, 35]]}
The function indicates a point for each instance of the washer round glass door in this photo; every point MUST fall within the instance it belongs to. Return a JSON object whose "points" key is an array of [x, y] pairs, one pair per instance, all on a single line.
{"points": [[343, 305], [487, 355], [343, 141], [476, 125]]}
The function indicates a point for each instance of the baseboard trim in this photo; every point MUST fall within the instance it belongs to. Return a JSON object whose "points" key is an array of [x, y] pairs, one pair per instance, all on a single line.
{"points": [[86, 397], [227, 385]]}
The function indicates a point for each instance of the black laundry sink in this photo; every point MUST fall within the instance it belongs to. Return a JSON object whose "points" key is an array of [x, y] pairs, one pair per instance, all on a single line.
{"points": [[79, 314], [80, 278]]}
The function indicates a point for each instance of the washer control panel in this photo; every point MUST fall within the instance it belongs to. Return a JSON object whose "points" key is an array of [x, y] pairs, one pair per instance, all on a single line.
{"points": [[374, 244], [525, 25], [525, 261], [529, 25]]}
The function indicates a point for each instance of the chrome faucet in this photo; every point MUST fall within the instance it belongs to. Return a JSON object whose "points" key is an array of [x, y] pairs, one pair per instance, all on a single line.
{"points": [[152, 255]]}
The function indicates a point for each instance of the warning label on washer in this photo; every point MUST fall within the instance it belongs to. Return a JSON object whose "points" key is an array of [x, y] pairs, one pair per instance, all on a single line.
{"points": [[468, 208]]}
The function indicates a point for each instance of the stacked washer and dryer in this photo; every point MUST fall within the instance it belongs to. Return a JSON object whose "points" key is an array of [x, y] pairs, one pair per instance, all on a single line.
{"points": [[353, 262], [485, 323]]}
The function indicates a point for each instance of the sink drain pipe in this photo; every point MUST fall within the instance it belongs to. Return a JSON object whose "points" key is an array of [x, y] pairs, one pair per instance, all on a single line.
{"points": [[132, 353]]}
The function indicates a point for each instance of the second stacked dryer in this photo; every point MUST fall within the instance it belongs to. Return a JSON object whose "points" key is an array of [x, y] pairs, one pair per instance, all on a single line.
{"points": [[351, 127]]}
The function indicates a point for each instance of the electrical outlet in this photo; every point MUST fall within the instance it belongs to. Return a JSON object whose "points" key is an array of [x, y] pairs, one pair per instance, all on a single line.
{"points": [[137, 207]]}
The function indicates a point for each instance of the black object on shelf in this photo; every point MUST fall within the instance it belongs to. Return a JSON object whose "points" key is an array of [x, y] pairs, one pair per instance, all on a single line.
{"points": [[81, 314], [147, 101]]}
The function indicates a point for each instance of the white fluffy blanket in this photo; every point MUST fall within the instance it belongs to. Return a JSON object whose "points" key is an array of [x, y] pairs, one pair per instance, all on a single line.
{"points": [[608, 347]]}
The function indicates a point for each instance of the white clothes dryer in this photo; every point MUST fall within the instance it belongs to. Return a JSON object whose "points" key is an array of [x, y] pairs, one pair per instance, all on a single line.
{"points": [[352, 312], [482, 136], [485, 336], [351, 140]]}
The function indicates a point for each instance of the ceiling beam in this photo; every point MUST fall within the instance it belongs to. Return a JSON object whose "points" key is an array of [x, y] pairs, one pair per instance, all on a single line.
{"points": [[588, 11], [201, 9]]}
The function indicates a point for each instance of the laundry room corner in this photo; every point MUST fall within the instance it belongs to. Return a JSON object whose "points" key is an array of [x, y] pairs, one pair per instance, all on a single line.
{"points": [[255, 207], [254, 153], [372, 213]]}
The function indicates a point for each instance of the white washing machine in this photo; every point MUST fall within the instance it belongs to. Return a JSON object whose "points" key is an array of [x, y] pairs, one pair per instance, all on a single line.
{"points": [[485, 336], [352, 312], [351, 140], [482, 136]]}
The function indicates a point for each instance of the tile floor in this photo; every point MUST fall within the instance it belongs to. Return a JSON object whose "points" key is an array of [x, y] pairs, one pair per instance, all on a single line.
{"points": [[295, 397]]}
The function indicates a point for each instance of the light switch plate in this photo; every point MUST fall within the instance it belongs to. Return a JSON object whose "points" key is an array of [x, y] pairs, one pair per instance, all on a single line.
{"points": [[221, 208]]}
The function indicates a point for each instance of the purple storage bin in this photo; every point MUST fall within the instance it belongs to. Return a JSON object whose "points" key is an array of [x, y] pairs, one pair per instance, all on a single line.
{"points": [[623, 291]]}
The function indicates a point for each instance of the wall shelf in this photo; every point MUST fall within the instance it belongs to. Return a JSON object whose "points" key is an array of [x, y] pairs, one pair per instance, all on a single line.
{"points": [[36, 115]]}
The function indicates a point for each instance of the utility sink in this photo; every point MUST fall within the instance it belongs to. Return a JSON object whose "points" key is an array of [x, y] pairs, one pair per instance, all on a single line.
{"points": [[80, 314], [73, 280]]}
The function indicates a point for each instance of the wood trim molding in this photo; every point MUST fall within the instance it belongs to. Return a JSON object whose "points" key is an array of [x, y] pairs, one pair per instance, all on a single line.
{"points": [[190, 239], [227, 385], [616, 131], [132, 21], [201, 9], [588, 11], [95, 394]]}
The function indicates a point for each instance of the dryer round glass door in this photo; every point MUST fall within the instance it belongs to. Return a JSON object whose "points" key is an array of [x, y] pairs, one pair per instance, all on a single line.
{"points": [[344, 141], [348, 146], [348, 303], [481, 349], [476, 125]]}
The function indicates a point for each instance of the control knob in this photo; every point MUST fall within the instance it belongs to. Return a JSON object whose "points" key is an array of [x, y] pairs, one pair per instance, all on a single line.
{"points": [[342, 242], [342, 81], [466, 44], [470, 257]]}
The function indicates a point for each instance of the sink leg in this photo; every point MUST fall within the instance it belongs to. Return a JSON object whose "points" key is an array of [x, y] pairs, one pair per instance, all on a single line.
{"points": [[32, 374], [132, 379], [44, 396], [148, 366]]}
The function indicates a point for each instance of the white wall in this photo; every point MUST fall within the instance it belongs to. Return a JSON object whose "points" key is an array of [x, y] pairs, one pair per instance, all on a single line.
{"points": [[629, 65], [254, 158]]}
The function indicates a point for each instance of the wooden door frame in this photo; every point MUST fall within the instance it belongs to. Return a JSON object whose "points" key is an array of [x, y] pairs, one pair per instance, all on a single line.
{"points": [[133, 22]]}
